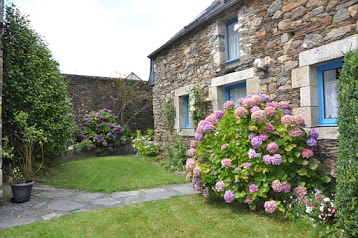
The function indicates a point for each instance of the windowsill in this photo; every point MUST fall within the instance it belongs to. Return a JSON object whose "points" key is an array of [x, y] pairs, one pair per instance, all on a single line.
{"points": [[232, 61], [327, 133], [186, 132]]}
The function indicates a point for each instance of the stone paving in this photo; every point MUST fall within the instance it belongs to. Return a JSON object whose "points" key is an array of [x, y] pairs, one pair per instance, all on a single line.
{"points": [[48, 202]]}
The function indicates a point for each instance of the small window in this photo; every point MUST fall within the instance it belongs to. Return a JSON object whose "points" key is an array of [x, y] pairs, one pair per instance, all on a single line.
{"points": [[328, 75], [232, 41], [186, 112], [235, 92]]}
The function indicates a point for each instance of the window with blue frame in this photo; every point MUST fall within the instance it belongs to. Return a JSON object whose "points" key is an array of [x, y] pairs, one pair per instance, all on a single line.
{"points": [[232, 41], [186, 112], [328, 75], [235, 92]]}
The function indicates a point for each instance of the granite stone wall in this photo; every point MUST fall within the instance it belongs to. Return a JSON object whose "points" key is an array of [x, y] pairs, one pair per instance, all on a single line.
{"points": [[1, 83], [274, 30], [96, 93]]}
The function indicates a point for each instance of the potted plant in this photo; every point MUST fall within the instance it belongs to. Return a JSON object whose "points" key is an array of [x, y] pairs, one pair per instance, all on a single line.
{"points": [[20, 187], [28, 148]]}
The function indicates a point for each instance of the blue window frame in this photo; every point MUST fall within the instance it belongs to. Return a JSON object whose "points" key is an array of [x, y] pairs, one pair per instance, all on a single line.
{"points": [[232, 41], [328, 75], [186, 112], [235, 92]]}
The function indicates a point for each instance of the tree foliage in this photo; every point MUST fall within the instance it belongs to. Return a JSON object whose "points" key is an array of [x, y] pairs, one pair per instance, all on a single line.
{"points": [[347, 161], [33, 84]]}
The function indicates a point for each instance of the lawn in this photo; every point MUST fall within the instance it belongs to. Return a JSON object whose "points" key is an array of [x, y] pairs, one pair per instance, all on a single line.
{"points": [[110, 174], [190, 216]]}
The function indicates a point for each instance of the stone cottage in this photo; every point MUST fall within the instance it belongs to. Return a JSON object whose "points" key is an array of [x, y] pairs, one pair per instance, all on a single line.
{"points": [[296, 46]]}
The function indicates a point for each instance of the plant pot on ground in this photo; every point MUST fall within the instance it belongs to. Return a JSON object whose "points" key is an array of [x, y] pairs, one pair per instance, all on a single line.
{"points": [[20, 187]]}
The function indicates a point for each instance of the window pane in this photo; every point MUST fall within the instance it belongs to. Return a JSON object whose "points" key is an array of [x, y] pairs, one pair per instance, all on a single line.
{"points": [[233, 41], [330, 78], [237, 93]]}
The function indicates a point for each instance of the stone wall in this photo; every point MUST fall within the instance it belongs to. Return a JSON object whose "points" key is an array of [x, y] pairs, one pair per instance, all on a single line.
{"points": [[279, 31], [99, 92]]}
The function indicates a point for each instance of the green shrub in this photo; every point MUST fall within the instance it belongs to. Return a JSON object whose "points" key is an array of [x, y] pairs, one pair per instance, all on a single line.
{"points": [[100, 130], [258, 154], [144, 144], [347, 161], [33, 84], [175, 153]]}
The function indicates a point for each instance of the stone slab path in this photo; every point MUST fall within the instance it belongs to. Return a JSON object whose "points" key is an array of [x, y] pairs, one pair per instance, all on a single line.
{"points": [[48, 202]]}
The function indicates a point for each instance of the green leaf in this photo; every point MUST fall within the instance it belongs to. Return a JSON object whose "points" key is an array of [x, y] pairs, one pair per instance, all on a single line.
{"points": [[290, 147], [302, 172], [252, 206], [313, 165], [326, 179]]}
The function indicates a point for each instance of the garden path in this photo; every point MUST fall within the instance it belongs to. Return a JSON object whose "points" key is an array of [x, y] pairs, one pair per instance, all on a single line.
{"points": [[48, 202]]}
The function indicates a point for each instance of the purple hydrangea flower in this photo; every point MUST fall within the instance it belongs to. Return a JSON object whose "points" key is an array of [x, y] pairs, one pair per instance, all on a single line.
{"points": [[208, 126], [285, 105], [255, 108], [218, 114], [198, 136], [206, 193], [264, 97], [252, 153], [286, 188], [253, 188], [229, 196], [237, 169], [314, 133], [311, 142], [287, 112], [267, 159], [276, 159], [263, 136], [252, 135], [219, 186], [247, 165], [256, 142], [270, 206]]}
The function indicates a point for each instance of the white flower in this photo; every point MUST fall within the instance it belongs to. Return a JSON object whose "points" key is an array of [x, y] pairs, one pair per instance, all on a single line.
{"points": [[207, 99], [192, 108], [326, 200], [321, 208]]}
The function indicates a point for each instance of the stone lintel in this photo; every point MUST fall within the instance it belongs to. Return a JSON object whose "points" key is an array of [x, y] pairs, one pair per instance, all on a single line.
{"points": [[328, 52], [235, 77]]}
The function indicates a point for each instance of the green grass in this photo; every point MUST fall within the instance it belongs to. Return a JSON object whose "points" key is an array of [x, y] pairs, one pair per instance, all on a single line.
{"points": [[110, 174], [190, 216]]}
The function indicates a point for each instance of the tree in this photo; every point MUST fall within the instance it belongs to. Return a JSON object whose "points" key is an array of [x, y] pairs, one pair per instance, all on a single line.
{"points": [[34, 85]]}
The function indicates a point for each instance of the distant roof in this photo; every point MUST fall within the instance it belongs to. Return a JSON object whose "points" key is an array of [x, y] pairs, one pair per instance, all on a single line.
{"points": [[217, 7], [133, 76]]}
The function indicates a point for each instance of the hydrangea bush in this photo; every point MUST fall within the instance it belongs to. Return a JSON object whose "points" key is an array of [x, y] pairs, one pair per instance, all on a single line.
{"points": [[144, 144], [257, 153], [100, 130]]}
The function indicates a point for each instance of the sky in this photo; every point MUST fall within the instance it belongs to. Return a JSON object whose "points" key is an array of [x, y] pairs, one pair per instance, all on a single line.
{"points": [[109, 38]]}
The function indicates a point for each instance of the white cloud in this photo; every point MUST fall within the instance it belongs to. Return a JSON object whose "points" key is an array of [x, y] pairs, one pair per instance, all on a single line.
{"points": [[105, 38]]}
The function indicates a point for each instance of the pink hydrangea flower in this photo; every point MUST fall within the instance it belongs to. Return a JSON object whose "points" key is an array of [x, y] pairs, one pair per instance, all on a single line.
{"points": [[272, 147], [219, 186], [253, 188], [241, 111], [191, 152], [253, 154], [296, 132], [224, 146], [212, 119], [270, 111], [229, 196], [190, 164], [229, 105], [276, 186], [287, 120], [270, 206], [263, 136], [197, 185], [199, 130], [258, 115], [194, 143], [249, 102], [269, 127], [286, 188], [188, 177], [300, 191], [307, 153], [273, 104], [226, 162], [197, 171], [248, 200], [255, 108]]}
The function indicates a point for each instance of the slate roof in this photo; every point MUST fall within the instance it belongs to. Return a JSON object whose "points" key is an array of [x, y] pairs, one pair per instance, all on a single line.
{"points": [[216, 8]]}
